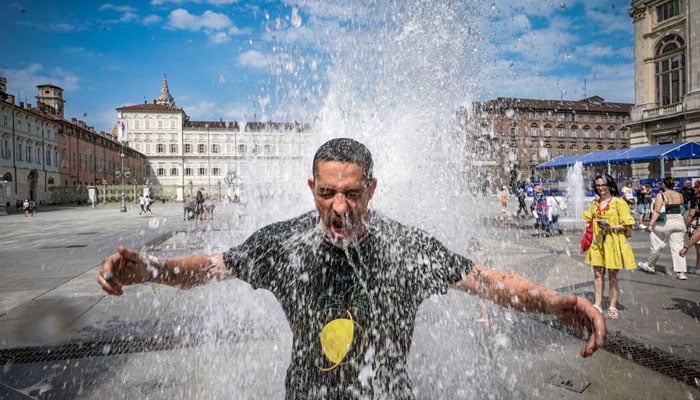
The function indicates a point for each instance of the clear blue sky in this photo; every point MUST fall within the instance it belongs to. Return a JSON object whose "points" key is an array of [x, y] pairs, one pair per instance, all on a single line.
{"points": [[245, 60]]}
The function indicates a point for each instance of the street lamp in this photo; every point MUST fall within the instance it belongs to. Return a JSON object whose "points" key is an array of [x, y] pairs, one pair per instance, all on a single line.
{"points": [[121, 173]]}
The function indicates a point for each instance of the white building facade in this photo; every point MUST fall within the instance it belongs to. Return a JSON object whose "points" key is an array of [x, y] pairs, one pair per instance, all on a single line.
{"points": [[223, 159]]}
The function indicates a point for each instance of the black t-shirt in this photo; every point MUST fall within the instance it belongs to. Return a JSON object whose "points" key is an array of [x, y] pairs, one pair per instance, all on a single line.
{"points": [[351, 311]]}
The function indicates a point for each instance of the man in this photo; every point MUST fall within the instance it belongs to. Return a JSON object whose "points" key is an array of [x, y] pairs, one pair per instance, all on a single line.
{"points": [[522, 206], [350, 282]]}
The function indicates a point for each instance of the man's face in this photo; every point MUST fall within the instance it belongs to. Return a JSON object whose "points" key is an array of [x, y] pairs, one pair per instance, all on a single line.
{"points": [[341, 196]]}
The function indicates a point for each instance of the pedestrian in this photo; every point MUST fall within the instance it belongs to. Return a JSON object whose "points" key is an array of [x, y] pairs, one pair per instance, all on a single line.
{"points": [[555, 207], [540, 210], [522, 206], [610, 252], [32, 207], [344, 271], [142, 204], [148, 201], [667, 222], [692, 221], [643, 203], [503, 195], [26, 207], [688, 193], [199, 206]]}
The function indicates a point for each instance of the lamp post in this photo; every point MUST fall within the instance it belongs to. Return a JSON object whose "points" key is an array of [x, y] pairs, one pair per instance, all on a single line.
{"points": [[121, 176], [121, 173]]}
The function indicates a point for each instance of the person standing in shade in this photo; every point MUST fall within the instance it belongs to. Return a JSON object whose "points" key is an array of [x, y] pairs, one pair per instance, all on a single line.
{"points": [[688, 193], [643, 203], [350, 281], [610, 252], [671, 230]]}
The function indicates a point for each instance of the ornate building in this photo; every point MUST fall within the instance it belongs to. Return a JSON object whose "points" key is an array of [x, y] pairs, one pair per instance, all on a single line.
{"points": [[667, 79], [220, 158], [48, 159], [528, 132]]}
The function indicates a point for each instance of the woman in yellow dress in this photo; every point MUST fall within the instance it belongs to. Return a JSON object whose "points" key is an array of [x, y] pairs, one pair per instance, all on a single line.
{"points": [[610, 252]]}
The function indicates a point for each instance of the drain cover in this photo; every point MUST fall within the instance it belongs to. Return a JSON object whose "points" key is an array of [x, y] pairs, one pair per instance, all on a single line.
{"points": [[575, 384]]}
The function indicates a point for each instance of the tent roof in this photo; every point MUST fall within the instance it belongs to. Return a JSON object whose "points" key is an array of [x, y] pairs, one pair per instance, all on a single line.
{"points": [[679, 150]]}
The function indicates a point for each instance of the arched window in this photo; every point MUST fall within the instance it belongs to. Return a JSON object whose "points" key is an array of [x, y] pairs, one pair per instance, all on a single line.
{"points": [[670, 70]]}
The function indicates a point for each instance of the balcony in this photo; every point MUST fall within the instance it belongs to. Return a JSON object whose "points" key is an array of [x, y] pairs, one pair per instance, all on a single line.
{"points": [[662, 111]]}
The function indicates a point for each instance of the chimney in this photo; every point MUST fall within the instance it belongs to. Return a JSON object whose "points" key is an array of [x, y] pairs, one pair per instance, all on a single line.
{"points": [[11, 99]]}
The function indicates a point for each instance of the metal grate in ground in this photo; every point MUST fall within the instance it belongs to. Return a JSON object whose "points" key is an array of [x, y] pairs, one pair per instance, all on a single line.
{"points": [[663, 362]]}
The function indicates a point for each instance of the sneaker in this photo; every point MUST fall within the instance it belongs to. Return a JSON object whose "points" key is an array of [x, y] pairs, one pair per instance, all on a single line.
{"points": [[642, 226], [645, 267], [681, 276]]}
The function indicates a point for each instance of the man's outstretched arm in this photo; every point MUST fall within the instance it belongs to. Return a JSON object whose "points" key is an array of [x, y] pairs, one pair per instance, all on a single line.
{"points": [[128, 267], [516, 292]]}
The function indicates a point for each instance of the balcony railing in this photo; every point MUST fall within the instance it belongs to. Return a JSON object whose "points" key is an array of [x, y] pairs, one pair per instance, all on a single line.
{"points": [[661, 111]]}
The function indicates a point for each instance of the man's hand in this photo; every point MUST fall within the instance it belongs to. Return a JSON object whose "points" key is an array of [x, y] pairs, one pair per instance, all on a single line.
{"points": [[125, 267], [579, 313]]}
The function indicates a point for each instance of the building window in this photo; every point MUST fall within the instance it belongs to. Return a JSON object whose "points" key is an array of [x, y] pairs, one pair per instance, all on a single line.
{"points": [[173, 148], [547, 132], [19, 152], [513, 132], [160, 124], [48, 157], [241, 149], [201, 148], [215, 171], [29, 153], [188, 148], [623, 134], [670, 70], [174, 172], [215, 148], [534, 132], [668, 10], [188, 171], [611, 119], [160, 171], [598, 118], [598, 134], [561, 133], [147, 124], [586, 132], [160, 148], [202, 171]]}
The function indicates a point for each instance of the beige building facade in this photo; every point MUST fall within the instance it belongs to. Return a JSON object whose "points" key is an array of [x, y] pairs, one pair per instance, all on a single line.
{"points": [[223, 159], [528, 132], [667, 80]]}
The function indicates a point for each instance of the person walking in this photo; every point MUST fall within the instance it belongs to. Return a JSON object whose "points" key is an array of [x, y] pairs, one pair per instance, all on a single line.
{"points": [[555, 206], [142, 203], [147, 203], [610, 252], [522, 206], [692, 221], [503, 194], [540, 210], [343, 271], [643, 203], [667, 222]]}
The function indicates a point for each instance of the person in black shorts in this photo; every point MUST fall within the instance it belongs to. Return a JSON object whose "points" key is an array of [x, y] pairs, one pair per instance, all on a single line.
{"points": [[350, 282]]}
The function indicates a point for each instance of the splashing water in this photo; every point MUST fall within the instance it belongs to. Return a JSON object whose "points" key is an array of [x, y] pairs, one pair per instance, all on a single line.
{"points": [[576, 193], [398, 74]]}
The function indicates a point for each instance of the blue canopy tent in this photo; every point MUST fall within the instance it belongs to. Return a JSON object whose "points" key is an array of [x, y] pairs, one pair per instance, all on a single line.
{"points": [[675, 151]]}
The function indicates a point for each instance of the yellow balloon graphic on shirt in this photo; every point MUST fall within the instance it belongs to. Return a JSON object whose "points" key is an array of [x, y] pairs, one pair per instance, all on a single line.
{"points": [[336, 339]]}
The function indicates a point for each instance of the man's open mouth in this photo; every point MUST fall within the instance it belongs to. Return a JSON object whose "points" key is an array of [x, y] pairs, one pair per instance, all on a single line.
{"points": [[340, 228]]}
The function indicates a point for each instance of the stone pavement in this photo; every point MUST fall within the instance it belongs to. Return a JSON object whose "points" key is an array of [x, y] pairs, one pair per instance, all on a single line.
{"points": [[61, 337]]}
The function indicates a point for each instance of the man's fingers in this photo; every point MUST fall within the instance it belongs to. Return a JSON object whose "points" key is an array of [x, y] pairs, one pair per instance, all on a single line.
{"points": [[112, 288]]}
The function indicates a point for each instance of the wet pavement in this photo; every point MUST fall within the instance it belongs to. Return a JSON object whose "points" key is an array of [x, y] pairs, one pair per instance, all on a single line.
{"points": [[61, 337]]}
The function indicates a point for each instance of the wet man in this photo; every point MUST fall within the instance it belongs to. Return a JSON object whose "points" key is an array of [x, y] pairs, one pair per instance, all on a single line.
{"points": [[350, 282]]}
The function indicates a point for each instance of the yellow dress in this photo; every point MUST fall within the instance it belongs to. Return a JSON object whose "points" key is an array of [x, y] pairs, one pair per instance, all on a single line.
{"points": [[610, 250]]}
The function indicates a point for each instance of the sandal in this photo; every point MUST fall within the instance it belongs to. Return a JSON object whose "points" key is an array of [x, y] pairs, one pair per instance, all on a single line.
{"points": [[612, 313], [597, 307]]}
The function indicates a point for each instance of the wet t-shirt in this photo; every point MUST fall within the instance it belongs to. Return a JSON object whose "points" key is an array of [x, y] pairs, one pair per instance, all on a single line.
{"points": [[351, 311]]}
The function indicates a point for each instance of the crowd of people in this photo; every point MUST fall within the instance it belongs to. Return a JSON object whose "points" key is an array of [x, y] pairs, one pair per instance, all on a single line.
{"points": [[671, 217]]}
